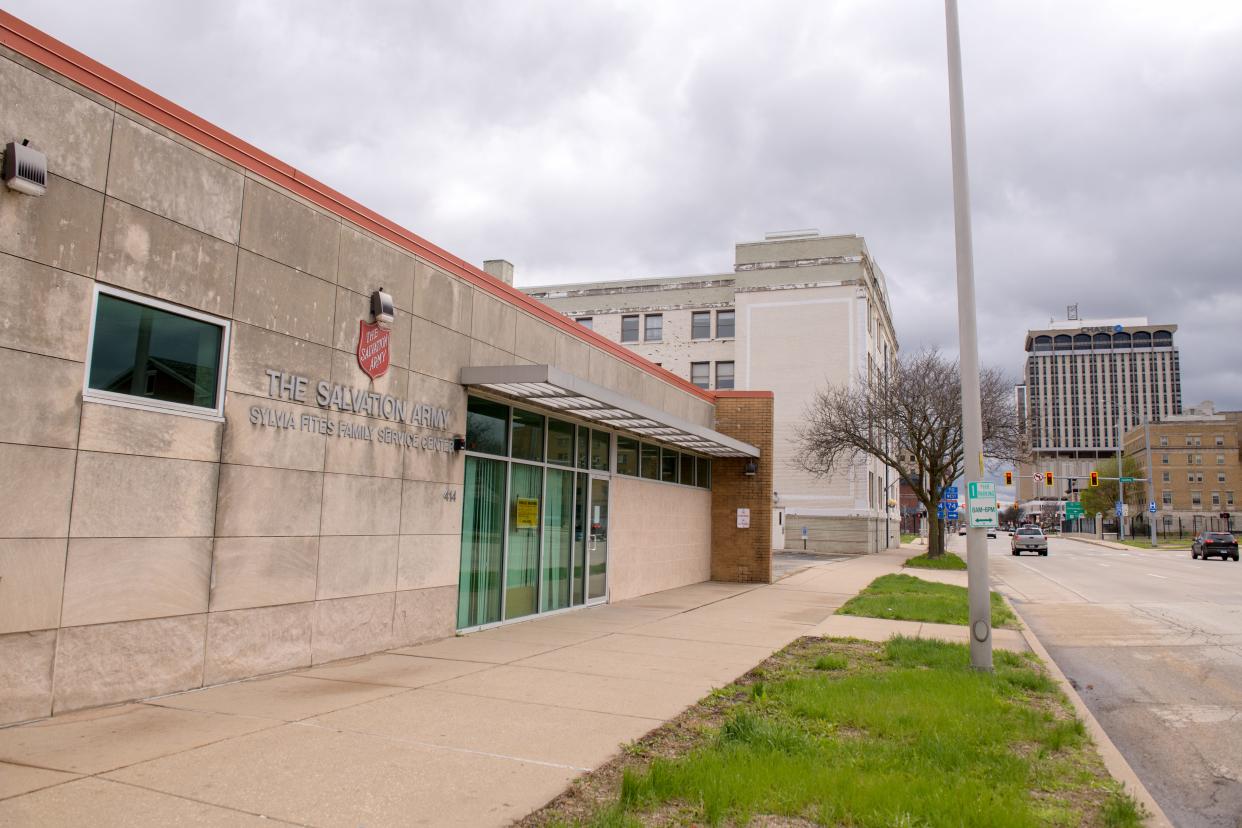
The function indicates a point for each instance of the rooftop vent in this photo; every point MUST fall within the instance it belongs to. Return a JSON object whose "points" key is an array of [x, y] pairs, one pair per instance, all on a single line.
{"points": [[780, 235], [501, 269], [25, 169]]}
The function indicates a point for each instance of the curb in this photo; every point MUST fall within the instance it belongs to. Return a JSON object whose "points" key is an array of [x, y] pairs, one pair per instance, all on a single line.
{"points": [[1113, 760]]}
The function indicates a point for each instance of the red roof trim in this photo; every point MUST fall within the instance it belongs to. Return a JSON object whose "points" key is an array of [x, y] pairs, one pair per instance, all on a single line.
{"points": [[40, 47]]}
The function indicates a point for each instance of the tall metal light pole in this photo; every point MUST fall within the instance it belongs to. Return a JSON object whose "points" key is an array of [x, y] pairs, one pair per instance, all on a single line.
{"points": [[972, 413], [1121, 486]]}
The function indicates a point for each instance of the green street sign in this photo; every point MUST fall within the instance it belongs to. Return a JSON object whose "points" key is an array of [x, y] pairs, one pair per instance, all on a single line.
{"points": [[1073, 509], [1128, 479]]}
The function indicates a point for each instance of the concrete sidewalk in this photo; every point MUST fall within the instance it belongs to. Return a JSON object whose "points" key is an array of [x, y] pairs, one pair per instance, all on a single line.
{"points": [[475, 730]]}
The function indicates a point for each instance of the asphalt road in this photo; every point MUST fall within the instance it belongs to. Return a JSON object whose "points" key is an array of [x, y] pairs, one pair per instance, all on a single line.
{"points": [[1153, 641]]}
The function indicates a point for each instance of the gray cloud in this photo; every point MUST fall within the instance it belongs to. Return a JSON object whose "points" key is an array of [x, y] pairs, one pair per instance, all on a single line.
{"points": [[605, 140]]}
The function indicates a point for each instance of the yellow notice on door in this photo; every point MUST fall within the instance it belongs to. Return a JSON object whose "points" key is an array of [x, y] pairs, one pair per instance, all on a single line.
{"points": [[527, 513]]}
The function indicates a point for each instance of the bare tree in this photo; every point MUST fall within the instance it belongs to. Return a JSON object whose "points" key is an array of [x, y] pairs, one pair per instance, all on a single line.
{"points": [[909, 418]]}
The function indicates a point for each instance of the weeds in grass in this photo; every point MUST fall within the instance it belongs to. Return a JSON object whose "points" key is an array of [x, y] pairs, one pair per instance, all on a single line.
{"points": [[906, 598], [946, 561], [831, 661]]}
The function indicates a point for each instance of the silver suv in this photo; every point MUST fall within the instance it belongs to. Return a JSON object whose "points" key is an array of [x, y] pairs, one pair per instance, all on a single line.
{"points": [[1029, 539]]}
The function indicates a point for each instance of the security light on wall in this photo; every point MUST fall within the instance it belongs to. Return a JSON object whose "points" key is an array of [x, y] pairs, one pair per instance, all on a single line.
{"points": [[751, 468], [25, 168], [381, 308]]}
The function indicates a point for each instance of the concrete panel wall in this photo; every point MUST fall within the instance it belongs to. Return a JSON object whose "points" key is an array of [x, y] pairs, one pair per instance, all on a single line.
{"points": [[661, 537], [145, 552]]}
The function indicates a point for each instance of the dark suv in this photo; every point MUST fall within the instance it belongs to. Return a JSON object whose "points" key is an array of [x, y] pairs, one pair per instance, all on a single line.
{"points": [[1214, 543]]}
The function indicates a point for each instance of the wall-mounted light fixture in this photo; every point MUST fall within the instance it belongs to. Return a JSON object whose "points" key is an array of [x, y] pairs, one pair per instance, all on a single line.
{"points": [[25, 168], [381, 308], [459, 442], [751, 468]]}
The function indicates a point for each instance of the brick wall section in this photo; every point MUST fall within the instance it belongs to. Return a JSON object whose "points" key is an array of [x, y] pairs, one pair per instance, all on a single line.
{"points": [[743, 555]]}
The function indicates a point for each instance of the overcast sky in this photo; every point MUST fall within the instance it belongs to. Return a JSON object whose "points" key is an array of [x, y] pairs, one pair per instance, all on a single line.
{"points": [[590, 140]]}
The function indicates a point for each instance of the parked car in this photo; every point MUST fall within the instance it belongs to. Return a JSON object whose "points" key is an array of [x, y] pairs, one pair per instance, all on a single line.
{"points": [[1214, 543], [1029, 539]]}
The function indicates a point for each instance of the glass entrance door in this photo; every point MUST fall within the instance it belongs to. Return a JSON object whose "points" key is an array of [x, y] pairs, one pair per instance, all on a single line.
{"points": [[597, 542]]}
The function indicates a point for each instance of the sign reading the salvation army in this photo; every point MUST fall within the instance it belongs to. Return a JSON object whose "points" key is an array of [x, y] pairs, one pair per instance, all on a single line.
{"points": [[372, 349]]}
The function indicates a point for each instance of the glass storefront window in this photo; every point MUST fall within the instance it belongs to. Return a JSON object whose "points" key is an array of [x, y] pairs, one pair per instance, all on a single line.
{"points": [[522, 571], [482, 542], [560, 442], [584, 448], [558, 539], [627, 456], [687, 470], [668, 466], [154, 354], [600, 445], [527, 435], [650, 461], [704, 478], [487, 426]]}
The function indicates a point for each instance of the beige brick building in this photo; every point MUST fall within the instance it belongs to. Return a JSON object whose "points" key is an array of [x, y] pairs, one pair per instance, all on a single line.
{"points": [[1197, 476], [800, 311]]}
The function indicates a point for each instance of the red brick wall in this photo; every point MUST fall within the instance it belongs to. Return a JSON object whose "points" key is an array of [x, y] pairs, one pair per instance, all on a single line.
{"points": [[743, 555]]}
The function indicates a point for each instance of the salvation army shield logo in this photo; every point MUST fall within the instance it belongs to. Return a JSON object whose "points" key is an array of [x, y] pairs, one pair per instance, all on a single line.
{"points": [[372, 349]]}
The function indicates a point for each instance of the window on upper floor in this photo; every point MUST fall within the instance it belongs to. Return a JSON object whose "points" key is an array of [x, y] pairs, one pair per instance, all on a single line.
{"points": [[724, 324], [1220, 441], [653, 327], [700, 374], [629, 328], [586, 322], [152, 354], [724, 375], [1196, 500], [1164, 441], [701, 325]]}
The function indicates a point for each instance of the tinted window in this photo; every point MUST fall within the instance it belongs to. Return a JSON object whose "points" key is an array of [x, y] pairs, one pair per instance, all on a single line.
{"points": [[704, 479], [154, 354], [487, 426], [724, 324], [1219, 536], [687, 469], [668, 466], [724, 375], [650, 461], [627, 456], [629, 329], [560, 442], [527, 435], [600, 444]]}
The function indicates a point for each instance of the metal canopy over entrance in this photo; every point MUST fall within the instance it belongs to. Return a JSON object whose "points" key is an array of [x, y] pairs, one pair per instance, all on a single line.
{"points": [[552, 388]]}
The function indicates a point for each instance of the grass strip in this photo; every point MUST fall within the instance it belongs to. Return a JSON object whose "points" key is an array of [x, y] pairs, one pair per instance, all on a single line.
{"points": [[946, 561], [847, 732], [908, 537], [1145, 543], [906, 598]]}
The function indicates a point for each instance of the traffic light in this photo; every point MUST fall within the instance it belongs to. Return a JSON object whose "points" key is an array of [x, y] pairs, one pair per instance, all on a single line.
{"points": [[1095, 479], [1008, 478], [1047, 478]]}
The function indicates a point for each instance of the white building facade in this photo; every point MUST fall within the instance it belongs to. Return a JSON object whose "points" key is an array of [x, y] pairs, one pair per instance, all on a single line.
{"points": [[799, 312]]}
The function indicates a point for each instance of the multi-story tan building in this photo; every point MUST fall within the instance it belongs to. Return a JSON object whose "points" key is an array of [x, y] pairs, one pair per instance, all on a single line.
{"points": [[1086, 382], [1196, 474], [799, 312]]}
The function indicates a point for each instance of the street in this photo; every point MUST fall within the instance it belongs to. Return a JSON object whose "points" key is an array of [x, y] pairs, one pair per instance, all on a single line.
{"points": [[1153, 641]]}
